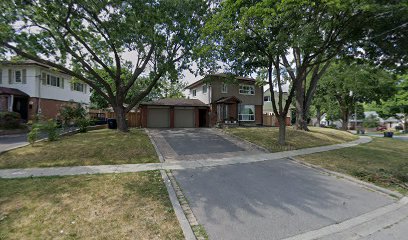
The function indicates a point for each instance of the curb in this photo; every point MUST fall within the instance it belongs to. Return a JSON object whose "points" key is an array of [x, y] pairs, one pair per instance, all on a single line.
{"points": [[368, 185]]}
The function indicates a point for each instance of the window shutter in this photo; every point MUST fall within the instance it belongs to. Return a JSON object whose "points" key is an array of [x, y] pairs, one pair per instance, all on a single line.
{"points": [[1, 76], [24, 73], [10, 76], [44, 78], [62, 83], [84, 88]]}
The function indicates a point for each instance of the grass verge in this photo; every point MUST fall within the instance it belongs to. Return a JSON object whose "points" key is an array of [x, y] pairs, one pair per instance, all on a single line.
{"points": [[111, 206], [97, 147], [267, 137], [383, 162]]}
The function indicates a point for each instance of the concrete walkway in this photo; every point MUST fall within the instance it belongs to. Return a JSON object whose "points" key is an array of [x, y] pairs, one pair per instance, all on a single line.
{"points": [[175, 165]]}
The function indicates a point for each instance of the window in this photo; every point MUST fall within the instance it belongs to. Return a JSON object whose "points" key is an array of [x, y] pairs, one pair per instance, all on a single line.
{"points": [[17, 76], [247, 89], [194, 92], [54, 81], [224, 88], [204, 88], [80, 87], [246, 113], [267, 98]]}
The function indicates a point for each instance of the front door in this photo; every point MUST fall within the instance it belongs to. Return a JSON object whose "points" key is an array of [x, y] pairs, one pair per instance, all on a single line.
{"points": [[202, 117], [20, 105]]}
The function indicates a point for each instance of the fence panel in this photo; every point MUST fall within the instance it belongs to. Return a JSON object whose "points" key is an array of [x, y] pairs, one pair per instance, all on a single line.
{"points": [[133, 118]]}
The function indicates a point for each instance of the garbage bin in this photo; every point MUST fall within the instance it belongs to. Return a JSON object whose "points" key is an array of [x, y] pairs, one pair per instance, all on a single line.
{"points": [[112, 124], [388, 134]]}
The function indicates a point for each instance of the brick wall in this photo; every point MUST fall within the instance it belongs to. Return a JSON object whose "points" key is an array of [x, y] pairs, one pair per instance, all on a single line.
{"points": [[3, 103], [258, 114], [49, 108]]}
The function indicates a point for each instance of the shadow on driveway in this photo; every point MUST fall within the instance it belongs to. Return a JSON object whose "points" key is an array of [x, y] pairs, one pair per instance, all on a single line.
{"points": [[271, 200]]}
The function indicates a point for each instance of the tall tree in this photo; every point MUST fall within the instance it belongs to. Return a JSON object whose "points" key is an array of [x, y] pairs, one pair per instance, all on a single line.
{"points": [[78, 37], [348, 84], [297, 39]]}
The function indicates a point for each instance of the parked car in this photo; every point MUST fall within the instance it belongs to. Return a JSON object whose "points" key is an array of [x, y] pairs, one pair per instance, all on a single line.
{"points": [[381, 128]]}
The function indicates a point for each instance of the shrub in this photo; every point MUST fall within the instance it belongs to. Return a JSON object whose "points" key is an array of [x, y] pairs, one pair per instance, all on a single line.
{"points": [[71, 112], [9, 120], [33, 135], [51, 128], [83, 124], [371, 122]]}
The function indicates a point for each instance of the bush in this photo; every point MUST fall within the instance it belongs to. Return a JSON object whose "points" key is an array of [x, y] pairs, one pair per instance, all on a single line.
{"points": [[33, 135], [9, 120], [51, 128], [371, 122], [83, 124], [69, 113]]}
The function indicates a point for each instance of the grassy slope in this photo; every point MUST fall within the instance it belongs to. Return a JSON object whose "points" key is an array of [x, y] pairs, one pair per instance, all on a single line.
{"points": [[121, 206], [93, 148], [268, 137], [383, 161]]}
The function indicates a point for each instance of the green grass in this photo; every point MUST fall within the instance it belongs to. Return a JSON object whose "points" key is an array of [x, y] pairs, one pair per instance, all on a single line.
{"points": [[111, 206], [383, 161], [267, 137], [97, 147]]}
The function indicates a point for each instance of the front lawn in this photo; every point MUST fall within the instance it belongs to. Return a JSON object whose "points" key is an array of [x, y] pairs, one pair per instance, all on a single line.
{"points": [[97, 147], [111, 206], [267, 137], [384, 162]]}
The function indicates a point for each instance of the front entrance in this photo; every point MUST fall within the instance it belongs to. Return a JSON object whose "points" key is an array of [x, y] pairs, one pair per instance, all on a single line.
{"points": [[20, 105], [202, 116]]}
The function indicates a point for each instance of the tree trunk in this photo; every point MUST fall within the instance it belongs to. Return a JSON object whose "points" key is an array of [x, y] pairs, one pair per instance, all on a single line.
{"points": [[282, 129], [121, 118], [318, 116], [344, 119]]}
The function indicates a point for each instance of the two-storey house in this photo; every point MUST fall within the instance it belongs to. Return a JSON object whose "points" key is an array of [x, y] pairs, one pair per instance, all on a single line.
{"points": [[32, 88]]}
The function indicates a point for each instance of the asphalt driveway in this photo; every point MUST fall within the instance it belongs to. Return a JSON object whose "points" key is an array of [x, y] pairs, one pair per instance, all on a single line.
{"points": [[272, 199], [198, 143]]}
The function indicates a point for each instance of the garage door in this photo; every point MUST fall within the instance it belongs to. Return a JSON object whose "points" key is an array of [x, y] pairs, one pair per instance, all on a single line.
{"points": [[158, 118], [183, 117]]}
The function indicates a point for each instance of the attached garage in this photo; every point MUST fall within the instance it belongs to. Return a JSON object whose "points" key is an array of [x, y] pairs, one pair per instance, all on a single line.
{"points": [[158, 117], [174, 113], [184, 117]]}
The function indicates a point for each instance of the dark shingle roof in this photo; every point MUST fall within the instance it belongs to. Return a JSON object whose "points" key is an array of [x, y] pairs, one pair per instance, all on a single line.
{"points": [[221, 75], [12, 91], [176, 102]]}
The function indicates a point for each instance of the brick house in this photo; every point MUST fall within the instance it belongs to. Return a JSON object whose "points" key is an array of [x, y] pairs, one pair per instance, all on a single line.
{"points": [[32, 88]]}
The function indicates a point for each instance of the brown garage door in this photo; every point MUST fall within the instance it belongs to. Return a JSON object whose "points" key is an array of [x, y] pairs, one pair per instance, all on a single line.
{"points": [[184, 117], [158, 118]]}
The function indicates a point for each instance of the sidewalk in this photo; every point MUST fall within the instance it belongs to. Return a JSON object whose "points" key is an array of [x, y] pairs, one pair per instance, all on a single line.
{"points": [[175, 165]]}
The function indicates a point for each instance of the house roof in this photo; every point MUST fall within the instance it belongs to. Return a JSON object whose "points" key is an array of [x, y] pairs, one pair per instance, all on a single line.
{"points": [[24, 62], [181, 102], [222, 75], [231, 99], [12, 91]]}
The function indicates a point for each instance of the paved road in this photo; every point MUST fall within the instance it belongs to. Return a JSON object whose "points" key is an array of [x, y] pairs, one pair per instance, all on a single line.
{"points": [[12, 141], [271, 200]]}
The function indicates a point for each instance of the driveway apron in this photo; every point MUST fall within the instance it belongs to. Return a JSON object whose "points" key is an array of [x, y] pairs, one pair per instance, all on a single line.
{"points": [[272, 199]]}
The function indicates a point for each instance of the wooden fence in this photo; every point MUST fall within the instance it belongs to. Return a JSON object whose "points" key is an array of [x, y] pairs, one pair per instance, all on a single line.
{"points": [[133, 118], [272, 121]]}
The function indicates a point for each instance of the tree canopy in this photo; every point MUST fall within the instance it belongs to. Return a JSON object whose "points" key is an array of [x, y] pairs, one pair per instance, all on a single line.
{"points": [[88, 40]]}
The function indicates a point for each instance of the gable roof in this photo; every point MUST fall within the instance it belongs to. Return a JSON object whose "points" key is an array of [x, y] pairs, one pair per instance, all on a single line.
{"points": [[220, 75], [24, 62], [181, 102]]}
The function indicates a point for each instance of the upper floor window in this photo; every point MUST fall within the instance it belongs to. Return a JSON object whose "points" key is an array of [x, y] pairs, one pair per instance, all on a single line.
{"points": [[194, 92], [17, 76], [80, 87], [52, 80], [204, 88], [224, 88], [267, 98], [247, 89]]}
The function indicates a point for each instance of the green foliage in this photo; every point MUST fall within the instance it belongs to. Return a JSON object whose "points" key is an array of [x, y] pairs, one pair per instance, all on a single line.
{"points": [[9, 120], [32, 136], [83, 124], [70, 112], [50, 127], [371, 122]]}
